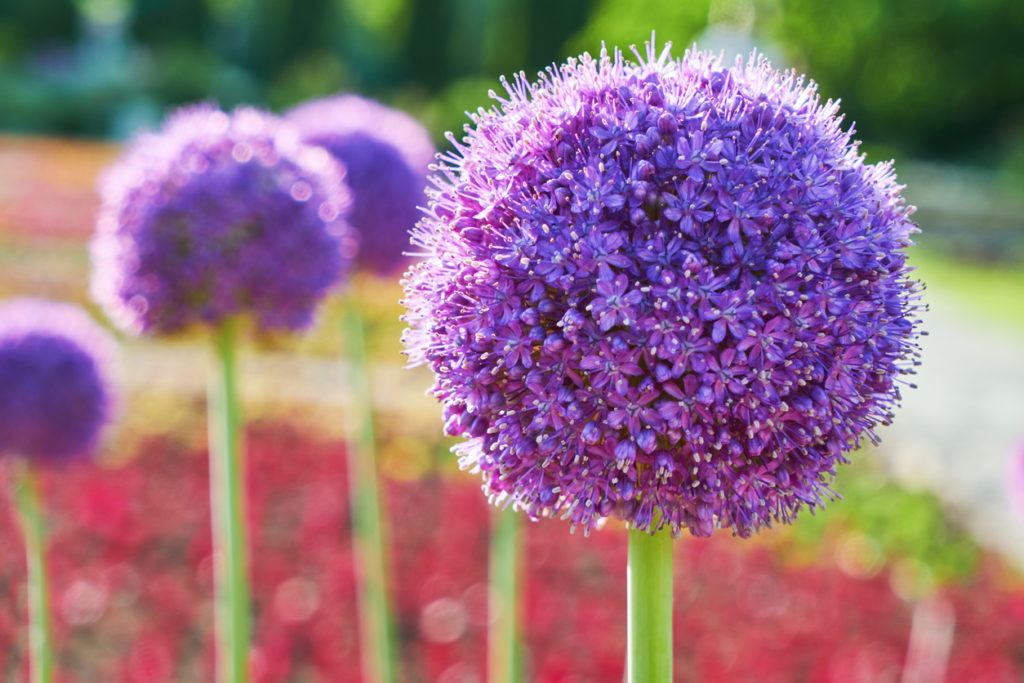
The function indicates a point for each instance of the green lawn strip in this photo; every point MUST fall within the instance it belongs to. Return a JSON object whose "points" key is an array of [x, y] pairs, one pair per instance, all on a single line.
{"points": [[899, 522], [993, 292]]}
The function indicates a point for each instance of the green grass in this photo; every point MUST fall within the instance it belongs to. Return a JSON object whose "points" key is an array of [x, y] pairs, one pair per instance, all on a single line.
{"points": [[900, 523], [992, 291]]}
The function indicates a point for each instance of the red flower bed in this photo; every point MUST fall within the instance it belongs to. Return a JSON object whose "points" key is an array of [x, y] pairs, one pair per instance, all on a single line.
{"points": [[131, 574]]}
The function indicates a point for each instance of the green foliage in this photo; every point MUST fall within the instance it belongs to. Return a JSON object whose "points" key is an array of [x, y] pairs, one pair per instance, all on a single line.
{"points": [[630, 23], [937, 77], [902, 524]]}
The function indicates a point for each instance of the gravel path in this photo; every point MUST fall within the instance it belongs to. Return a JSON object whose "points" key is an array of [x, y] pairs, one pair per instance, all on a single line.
{"points": [[955, 432]]}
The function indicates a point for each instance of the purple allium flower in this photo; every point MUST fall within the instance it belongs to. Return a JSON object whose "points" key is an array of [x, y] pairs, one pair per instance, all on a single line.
{"points": [[220, 214], [55, 393], [386, 153], [666, 287]]}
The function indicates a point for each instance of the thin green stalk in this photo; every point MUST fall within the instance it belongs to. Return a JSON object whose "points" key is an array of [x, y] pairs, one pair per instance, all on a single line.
{"points": [[376, 632], [502, 655], [227, 509], [649, 625], [33, 528]]}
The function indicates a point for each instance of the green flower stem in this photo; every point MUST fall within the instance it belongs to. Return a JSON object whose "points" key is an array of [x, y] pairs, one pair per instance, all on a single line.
{"points": [[376, 632], [33, 528], [502, 656], [649, 625], [227, 508]]}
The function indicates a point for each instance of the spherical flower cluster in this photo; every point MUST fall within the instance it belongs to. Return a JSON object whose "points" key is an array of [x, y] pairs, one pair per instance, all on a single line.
{"points": [[217, 215], [386, 153], [55, 393], [667, 290]]}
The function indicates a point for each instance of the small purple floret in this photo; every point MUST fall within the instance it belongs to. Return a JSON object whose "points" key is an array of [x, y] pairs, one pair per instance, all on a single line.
{"points": [[386, 153], [218, 215], [55, 394], [671, 290]]}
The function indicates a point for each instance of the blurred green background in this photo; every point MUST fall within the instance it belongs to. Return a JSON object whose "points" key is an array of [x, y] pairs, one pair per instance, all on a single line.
{"points": [[929, 81], [936, 79]]}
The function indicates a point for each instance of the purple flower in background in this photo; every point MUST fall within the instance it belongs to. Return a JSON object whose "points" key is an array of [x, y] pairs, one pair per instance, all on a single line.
{"points": [[386, 153], [55, 393], [216, 215], [669, 290]]}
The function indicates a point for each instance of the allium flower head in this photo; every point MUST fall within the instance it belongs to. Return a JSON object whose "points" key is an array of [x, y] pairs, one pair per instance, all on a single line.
{"points": [[667, 290], [386, 153], [55, 395], [219, 214]]}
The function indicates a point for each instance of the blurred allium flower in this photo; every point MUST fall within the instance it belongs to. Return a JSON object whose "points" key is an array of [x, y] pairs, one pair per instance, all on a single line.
{"points": [[219, 214], [386, 153], [55, 395], [668, 287]]}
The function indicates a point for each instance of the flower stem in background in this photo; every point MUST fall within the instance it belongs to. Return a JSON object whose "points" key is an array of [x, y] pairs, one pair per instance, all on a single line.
{"points": [[502, 655], [364, 491], [33, 528], [931, 638], [649, 626], [227, 508]]}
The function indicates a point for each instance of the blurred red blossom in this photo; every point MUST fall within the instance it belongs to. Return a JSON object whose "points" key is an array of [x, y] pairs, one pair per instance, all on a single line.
{"points": [[131, 575]]}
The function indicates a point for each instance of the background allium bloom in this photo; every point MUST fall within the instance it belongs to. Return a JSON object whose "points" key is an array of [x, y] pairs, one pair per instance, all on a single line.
{"points": [[54, 380], [386, 153], [667, 286], [219, 214]]}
